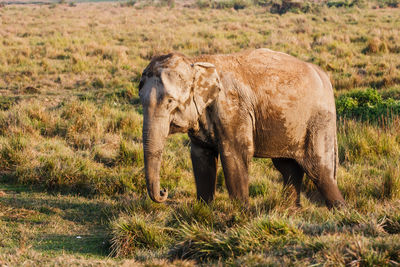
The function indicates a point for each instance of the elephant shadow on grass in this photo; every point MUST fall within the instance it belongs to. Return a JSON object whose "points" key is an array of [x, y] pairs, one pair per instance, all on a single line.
{"points": [[55, 223]]}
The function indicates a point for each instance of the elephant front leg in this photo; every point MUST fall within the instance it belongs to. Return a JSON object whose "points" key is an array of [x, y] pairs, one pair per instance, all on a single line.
{"points": [[204, 163], [235, 162]]}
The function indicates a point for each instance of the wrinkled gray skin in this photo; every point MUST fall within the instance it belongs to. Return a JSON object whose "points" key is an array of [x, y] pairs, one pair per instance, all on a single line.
{"points": [[258, 103]]}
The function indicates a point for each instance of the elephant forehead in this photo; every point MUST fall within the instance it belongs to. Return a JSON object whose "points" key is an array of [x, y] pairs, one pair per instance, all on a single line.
{"points": [[171, 61]]}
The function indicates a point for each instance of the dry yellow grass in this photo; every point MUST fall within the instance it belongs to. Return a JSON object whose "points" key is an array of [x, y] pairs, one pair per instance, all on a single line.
{"points": [[106, 45]]}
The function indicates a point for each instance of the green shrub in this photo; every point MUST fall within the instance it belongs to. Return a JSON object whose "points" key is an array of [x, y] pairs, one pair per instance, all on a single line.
{"points": [[367, 105]]}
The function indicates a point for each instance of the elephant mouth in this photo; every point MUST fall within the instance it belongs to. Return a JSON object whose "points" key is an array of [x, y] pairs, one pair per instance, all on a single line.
{"points": [[174, 128], [177, 128]]}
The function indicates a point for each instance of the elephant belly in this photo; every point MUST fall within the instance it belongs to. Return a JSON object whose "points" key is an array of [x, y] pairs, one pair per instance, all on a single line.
{"points": [[273, 139]]}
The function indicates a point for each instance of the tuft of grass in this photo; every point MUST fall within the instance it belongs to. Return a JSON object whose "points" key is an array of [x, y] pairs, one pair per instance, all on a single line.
{"points": [[131, 233], [7, 102], [193, 212], [202, 243], [391, 183], [130, 154], [12, 153], [83, 127], [258, 188], [392, 224], [374, 46]]}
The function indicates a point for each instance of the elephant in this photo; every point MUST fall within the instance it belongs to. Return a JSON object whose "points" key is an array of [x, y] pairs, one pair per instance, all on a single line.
{"points": [[254, 103]]}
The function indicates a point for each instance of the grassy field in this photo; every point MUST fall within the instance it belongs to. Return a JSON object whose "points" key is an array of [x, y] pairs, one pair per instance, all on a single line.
{"points": [[72, 189]]}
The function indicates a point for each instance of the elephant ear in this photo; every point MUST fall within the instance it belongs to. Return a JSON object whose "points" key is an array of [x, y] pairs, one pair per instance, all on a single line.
{"points": [[207, 85]]}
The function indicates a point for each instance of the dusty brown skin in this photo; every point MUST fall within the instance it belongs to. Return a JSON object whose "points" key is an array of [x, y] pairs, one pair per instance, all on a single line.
{"points": [[256, 103]]}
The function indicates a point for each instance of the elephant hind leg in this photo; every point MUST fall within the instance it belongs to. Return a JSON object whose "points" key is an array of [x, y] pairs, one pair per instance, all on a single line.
{"points": [[292, 174], [320, 162]]}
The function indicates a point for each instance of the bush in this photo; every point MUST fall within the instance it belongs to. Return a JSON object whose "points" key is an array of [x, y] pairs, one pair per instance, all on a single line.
{"points": [[284, 6], [367, 105]]}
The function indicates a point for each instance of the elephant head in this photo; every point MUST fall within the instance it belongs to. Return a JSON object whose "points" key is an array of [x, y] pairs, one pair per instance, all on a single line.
{"points": [[174, 92]]}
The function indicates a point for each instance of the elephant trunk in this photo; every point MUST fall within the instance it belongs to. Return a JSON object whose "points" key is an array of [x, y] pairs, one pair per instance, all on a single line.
{"points": [[155, 131]]}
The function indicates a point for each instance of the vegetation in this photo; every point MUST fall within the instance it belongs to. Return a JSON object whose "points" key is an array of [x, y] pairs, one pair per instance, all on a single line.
{"points": [[367, 105], [72, 190]]}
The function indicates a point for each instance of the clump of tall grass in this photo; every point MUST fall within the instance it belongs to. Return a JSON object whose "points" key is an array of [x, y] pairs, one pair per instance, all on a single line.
{"points": [[131, 233], [7, 102], [202, 243], [258, 188], [83, 127], [390, 188], [192, 212], [374, 46], [362, 253], [130, 153], [362, 142], [13, 153], [392, 223]]}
